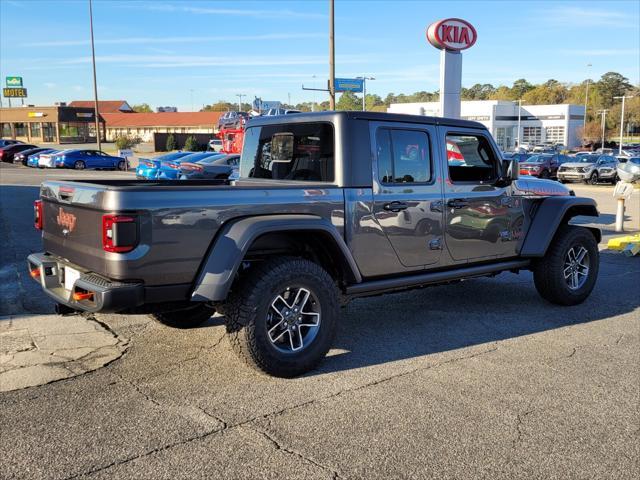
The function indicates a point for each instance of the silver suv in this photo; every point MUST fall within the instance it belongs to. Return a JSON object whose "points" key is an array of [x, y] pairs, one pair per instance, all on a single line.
{"points": [[589, 169]]}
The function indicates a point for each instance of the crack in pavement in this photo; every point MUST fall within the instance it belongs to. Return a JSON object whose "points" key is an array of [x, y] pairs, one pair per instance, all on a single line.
{"points": [[279, 446], [227, 427]]}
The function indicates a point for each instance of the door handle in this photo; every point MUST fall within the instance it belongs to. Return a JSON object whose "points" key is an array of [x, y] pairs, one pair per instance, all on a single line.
{"points": [[457, 203], [395, 206]]}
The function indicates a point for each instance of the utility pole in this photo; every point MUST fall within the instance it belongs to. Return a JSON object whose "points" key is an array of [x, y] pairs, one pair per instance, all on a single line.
{"points": [[364, 91], [240, 95], [603, 113], [586, 105], [332, 60], [95, 82], [622, 120]]}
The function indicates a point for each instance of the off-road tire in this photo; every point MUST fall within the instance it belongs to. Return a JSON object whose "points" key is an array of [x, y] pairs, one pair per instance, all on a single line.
{"points": [[247, 307], [185, 318], [548, 273], [79, 165]]}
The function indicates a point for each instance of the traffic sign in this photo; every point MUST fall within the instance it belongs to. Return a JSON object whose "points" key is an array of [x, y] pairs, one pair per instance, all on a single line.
{"points": [[349, 85]]}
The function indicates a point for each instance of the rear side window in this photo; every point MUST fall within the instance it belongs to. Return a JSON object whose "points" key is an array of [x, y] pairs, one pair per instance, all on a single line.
{"points": [[471, 159], [404, 156], [302, 151]]}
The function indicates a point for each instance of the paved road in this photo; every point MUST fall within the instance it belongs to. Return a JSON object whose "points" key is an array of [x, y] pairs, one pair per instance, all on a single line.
{"points": [[476, 380]]}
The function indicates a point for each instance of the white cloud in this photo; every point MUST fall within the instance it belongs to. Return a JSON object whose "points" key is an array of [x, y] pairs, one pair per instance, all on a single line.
{"points": [[587, 17], [50, 85], [257, 13], [174, 40], [602, 52]]}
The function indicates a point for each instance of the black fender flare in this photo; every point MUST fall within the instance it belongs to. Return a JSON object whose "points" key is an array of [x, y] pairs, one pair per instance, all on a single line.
{"points": [[549, 215], [228, 250]]}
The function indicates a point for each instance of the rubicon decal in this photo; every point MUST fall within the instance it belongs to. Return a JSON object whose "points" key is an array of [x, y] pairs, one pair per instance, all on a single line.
{"points": [[451, 34], [66, 220]]}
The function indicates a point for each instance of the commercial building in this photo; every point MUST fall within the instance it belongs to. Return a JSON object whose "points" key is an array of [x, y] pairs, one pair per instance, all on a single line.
{"points": [[144, 125], [104, 106], [57, 124], [538, 123]]}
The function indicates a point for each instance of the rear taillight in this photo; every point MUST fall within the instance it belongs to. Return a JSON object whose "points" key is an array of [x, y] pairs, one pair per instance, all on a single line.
{"points": [[37, 214], [191, 167], [173, 165], [119, 233]]}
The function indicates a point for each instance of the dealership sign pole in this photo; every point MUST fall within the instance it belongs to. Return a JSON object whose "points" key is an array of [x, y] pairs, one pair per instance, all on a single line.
{"points": [[451, 36]]}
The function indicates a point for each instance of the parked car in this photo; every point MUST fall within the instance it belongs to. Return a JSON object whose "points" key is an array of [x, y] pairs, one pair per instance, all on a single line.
{"points": [[170, 169], [34, 158], [7, 153], [149, 168], [82, 159], [219, 167], [215, 145], [21, 157], [281, 250], [589, 169], [542, 166], [233, 120], [4, 142]]}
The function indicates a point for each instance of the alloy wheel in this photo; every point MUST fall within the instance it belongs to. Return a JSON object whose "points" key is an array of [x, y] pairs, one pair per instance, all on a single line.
{"points": [[293, 320], [576, 267]]}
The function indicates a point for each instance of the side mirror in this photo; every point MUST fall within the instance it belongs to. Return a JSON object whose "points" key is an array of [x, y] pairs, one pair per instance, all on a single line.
{"points": [[513, 173]]}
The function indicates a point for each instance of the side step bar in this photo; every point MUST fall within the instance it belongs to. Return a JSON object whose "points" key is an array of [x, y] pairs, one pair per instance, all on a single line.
{"points": [[374, 287]]}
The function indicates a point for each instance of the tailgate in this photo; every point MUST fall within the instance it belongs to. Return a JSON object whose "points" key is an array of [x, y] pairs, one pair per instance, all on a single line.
{"points": [[72, 223]]}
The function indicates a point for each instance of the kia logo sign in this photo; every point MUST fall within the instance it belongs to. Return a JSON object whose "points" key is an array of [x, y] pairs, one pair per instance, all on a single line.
{"points": [[451, 34]]}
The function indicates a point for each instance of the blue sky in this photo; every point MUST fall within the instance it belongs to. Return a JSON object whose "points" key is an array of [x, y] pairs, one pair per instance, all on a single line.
{"points": [[158, 51]]}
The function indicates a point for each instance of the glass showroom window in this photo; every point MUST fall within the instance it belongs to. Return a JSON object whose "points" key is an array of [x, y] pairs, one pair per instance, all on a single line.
{"points": [[532, 135], [554, 134], [5, 130], [21, 129], [36, 131]]}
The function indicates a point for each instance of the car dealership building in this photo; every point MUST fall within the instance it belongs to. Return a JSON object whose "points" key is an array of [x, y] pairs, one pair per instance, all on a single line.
{"points": [[538, 123]]}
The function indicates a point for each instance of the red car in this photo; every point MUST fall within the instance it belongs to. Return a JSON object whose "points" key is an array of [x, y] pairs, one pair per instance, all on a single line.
{"points": [[542, 166]]}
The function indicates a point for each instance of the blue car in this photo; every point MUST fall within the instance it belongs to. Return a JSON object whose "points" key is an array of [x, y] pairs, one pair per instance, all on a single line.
{"points": [[81, 159], [170, 169], [32, 160], [149, 169]]}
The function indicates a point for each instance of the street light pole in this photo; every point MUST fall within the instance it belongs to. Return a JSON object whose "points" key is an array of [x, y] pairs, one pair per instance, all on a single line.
{"points": [[95, 82], [622, 121], [364, 91], [240, 95], [603, 113], [586, 105], [519, 120], [332, 60]]}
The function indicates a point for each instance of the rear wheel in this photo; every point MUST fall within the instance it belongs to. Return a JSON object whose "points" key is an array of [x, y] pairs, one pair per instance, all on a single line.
{"points": [[185, 318], [568, 272], [79, 165], [282, 318]]}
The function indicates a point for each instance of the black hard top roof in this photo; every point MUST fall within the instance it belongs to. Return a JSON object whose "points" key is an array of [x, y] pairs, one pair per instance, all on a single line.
{"points": [[355, 115]]}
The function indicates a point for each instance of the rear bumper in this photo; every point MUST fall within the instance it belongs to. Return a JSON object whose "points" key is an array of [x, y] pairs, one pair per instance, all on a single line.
{"points": [[108, 295]]}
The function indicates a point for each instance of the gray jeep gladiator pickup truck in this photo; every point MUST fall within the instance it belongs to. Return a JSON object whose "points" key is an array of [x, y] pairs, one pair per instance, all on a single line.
{"points": [[328, 207]]}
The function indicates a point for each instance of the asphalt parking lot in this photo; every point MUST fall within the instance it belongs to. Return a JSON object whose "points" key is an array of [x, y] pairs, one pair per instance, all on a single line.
{"points": [[476, 380]]}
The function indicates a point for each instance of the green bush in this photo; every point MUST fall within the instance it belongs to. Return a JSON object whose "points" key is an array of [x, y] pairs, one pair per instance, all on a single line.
{"points": [[191, 144], [171, 143], [125, 142]]}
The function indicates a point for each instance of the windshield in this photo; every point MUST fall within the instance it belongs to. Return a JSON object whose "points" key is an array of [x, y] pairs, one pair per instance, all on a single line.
{"points": [[586, 159], [537, 159], [635, 160], [210, 160]]}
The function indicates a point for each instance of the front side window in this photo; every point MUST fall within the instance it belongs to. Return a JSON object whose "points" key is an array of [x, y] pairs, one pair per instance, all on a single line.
{"points": [[477, 162], [302, 151], [404, 156]]}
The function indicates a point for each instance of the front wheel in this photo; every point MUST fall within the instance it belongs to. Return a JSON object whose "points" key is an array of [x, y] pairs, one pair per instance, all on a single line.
{"points": [[545, 174], [185, 318], [79, 165], [282, 318], [593, 179], [568, 272], [122, 165]]}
